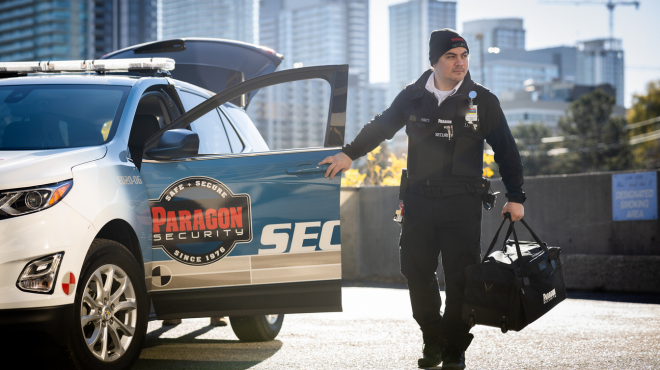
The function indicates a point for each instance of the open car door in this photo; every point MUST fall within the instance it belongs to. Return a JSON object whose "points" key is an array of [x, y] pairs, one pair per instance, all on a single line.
{"points": [[247, 233]]}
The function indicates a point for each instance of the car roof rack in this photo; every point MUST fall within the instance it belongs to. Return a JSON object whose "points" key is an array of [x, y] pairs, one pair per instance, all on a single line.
{"points": [[158, 67]]}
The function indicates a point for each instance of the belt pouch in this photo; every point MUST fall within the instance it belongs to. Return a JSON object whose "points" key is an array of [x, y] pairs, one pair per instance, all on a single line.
{"points": [[405, 182]]}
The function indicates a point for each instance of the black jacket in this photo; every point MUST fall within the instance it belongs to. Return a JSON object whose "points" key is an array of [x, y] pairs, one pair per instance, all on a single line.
{"points": [[492, 126]]}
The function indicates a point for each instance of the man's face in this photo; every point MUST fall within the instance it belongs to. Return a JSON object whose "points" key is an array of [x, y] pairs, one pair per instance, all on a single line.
{"points": [[453, 65]]}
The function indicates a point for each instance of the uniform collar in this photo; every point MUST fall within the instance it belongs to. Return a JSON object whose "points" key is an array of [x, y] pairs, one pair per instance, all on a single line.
{"points": [[430, 86], [460, 89]]}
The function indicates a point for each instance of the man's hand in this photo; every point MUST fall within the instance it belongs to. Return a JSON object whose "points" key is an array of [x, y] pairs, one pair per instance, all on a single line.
{"points": [[516, 210], [340, 162]]}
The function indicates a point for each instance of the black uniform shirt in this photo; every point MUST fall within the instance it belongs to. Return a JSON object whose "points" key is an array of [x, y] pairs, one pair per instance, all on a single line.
{"points": [[491, 118]]}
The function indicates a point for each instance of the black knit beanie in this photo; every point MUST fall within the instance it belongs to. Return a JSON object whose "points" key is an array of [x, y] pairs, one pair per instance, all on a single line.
{"points": [[441, 41]]}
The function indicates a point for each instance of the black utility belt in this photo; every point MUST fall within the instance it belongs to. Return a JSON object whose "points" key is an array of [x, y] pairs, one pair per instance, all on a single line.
{"points": [[449, 190], [440, 191], [480, 188]]}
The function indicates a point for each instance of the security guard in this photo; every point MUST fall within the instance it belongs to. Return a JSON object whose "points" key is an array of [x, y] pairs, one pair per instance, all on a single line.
{"points": [[447, 117]]}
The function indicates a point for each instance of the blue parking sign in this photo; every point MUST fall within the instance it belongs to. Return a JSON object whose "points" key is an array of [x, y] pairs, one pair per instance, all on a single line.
{"points": [[635, 196]]}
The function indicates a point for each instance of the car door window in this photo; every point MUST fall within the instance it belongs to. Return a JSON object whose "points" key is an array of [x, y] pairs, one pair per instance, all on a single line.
{"points": [[237, 144], [210, 128]]}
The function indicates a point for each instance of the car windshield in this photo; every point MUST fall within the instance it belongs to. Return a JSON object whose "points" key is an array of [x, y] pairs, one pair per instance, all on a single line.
{"points": [[34, 117]]}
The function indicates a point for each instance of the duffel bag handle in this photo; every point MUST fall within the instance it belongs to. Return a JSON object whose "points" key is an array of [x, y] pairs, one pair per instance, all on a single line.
{"points": [[519, 252], [511, 229], [536, 238], [497, 234]]}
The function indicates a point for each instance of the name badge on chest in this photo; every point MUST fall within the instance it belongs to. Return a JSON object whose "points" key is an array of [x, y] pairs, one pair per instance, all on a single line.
{"points": [[471, 117]]}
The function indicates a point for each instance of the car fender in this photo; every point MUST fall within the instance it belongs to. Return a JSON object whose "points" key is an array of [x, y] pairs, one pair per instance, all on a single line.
{"points": [[112, 189]]}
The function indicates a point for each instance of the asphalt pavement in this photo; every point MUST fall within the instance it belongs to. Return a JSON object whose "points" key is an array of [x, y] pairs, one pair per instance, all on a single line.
{"points": [[377, 331]]}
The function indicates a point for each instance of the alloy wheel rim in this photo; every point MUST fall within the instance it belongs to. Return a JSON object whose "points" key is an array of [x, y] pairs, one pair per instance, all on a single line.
{"points": [[108, 313], [272, 319]]}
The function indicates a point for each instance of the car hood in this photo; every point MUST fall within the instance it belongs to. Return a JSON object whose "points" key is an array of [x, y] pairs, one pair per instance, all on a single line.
{"points": [[25, 168]]}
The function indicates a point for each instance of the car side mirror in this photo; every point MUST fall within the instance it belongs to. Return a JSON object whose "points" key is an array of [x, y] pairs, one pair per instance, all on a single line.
{"points": [[178, 143]]}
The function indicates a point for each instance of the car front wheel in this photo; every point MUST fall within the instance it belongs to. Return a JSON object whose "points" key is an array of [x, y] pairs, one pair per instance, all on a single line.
{"points": [[110, 309]]}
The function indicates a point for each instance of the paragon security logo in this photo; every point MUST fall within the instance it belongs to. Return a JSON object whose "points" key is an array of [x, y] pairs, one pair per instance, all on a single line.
{"points": [[549, 296], [198, 220]]}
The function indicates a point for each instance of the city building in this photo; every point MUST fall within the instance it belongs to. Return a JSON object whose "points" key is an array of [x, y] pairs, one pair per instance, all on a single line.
{"points": [[308, 33], [599, 62], [491, 36], [363, 105], [73, 29], [411, 24], [114, 25], [547, 102], [225, 19]]}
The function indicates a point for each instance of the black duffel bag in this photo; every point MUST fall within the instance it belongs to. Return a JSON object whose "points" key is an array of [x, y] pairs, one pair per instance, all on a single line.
{"points": [[513, 287]]}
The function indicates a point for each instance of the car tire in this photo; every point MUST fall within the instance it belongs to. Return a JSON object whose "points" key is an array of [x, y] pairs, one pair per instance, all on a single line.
{"points": [[260, 328], [107, 314]]}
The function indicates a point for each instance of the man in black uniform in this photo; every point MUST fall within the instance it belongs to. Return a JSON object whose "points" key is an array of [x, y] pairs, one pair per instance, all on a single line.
{"points": [[447, 117]]}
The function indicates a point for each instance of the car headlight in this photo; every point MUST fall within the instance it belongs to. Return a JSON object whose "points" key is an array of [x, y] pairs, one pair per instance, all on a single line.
{"points": [[23, 201], [39, 276]]}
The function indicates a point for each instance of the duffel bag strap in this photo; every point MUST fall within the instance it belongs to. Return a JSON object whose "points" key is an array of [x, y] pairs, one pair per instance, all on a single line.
{"points": [[520, 259], [536, 238], [492, 243]]}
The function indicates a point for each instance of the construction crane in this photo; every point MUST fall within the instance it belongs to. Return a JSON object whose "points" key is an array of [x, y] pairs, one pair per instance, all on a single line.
{"points": [[609, 4]]}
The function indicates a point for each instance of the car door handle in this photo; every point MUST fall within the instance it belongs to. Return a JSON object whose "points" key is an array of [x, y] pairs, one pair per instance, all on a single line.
{"points": [[307, 169]]}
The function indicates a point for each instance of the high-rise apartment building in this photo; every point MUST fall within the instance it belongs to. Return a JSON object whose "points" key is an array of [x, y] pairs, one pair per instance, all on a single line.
{"points": [[73, 29], [599, 62], [483, 36], [40, 30], [411, 24], [308, 33], [225, 19], [114, 25]]}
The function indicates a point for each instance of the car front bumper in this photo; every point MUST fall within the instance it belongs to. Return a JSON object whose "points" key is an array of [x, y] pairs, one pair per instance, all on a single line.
{"points": [[29, 237], [43, 324]]}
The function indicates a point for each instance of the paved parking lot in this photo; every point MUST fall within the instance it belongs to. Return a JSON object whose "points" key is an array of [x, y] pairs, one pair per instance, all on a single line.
{"points": [[376, 331]]}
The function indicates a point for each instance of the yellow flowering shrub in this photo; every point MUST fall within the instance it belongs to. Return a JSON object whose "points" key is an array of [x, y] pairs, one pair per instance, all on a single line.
{"points": [[390, 175]]}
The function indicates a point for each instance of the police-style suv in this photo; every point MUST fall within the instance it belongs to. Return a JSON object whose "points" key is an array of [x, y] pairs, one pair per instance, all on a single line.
{"points": [[135, 187]]}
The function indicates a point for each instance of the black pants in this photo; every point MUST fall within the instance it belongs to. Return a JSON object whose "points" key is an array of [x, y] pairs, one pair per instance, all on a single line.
{"points": [[451, 226]]}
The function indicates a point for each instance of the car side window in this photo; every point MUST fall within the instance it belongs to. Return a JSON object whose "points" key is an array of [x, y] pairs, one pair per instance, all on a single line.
{"points": [[246, 127], [210, 128], [237, 144]]}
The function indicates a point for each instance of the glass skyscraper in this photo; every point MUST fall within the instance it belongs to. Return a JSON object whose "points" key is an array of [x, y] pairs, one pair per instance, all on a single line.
{"points": [[225, 19], [601, 61], [411, 24], [73, 29], [308, 33]]}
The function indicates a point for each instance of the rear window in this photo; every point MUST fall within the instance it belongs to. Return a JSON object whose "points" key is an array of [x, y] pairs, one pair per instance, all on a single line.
{"points": [[36, 117]]}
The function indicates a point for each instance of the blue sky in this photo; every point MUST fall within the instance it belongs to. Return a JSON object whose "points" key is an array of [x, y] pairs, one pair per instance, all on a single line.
{"points": [[549, 24]]}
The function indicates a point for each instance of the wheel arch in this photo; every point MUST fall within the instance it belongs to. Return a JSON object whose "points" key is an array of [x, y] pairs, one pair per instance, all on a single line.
{"points": [[122, 232]]}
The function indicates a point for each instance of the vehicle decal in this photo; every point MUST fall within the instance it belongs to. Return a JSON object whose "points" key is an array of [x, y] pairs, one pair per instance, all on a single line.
{"points": [[129, 180], [68, 283], [161, 276], [248, 270], [198, 220]]}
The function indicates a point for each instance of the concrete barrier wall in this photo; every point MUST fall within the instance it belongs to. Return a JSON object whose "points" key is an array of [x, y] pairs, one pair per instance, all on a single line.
{"points": [[573, 212]]}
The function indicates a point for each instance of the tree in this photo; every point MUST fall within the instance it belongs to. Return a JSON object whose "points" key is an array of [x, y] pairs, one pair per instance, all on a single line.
{"points": [[533, 152], [594, 140], [646, 107]]}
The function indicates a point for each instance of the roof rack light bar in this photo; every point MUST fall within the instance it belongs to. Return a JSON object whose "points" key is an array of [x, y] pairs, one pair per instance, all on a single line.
{"points": [[98, 65]]}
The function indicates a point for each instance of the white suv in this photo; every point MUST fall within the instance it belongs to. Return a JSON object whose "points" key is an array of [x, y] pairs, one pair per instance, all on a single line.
{"points": [[132, 190]]}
